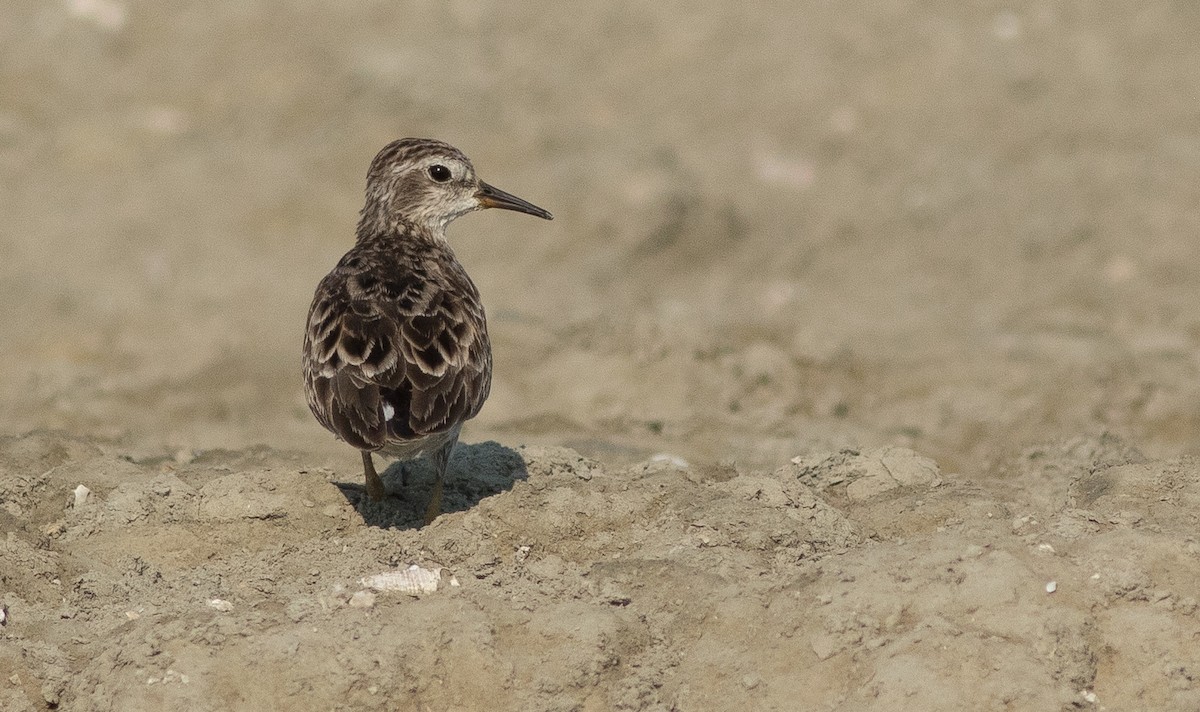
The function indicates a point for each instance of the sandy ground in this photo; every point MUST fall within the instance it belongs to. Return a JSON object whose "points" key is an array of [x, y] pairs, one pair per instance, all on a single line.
{"points": [[858, 370]]}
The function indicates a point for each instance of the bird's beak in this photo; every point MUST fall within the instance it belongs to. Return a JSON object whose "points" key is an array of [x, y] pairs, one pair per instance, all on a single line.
{"points": [[491, 197]]}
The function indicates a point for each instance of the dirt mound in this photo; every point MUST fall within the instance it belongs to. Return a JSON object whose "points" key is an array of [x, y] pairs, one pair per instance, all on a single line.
{"points": [[240, 580]]}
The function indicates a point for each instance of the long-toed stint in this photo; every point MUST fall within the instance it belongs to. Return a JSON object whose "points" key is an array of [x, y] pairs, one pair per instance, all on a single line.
{"points": [[396, 353]]}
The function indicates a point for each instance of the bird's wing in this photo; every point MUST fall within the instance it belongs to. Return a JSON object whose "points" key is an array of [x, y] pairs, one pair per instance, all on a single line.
{"points": [[386, 361]]}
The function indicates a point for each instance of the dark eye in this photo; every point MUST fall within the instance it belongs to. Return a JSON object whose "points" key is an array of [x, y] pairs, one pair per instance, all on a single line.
{"points": [[439, 173]]}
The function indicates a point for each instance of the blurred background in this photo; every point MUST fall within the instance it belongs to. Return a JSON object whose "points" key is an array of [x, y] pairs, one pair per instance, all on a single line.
{"points": [[784, 225]]}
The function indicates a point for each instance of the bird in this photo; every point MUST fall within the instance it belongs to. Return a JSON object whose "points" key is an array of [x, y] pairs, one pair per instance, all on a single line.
{"points": [[396, 349]]}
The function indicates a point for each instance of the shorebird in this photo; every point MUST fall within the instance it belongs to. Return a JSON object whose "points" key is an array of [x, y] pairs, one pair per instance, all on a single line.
{"points": [[396, 351]]}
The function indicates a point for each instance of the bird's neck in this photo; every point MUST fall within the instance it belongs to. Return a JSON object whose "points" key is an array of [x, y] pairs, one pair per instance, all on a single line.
{"points": [[397, 227]]}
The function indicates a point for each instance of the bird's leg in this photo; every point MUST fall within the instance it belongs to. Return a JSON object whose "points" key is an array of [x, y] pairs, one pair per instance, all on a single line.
{"points": [[435, 500], [374, 485], [440, 460]]}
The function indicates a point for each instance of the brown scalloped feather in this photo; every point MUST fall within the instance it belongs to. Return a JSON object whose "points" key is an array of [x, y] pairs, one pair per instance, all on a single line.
{"points": [[381, 331]]}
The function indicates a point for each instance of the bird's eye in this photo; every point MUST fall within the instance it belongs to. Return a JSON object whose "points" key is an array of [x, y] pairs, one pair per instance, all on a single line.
{"points": [[439, 173]]}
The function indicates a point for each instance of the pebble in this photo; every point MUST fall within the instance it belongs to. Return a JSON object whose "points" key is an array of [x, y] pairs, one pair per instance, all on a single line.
{"points": [[81, 496], [1051, 587], [220, 604]]}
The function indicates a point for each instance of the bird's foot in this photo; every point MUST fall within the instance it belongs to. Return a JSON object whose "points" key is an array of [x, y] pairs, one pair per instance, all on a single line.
{"points": [[354, 489], [361, 492]]}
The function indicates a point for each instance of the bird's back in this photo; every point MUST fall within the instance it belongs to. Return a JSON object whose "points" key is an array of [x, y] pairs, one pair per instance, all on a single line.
{"points": [[396, 351]]}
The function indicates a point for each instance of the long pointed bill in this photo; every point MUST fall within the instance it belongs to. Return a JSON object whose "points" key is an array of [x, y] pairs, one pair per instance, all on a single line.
{"points": [[492, 197]]}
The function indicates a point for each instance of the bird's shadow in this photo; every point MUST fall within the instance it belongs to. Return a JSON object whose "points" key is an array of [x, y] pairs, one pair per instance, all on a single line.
{"points": [[473, 473]]}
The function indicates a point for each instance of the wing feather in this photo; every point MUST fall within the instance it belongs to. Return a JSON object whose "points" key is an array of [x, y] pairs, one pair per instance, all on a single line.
{"points": [[379, 335]]}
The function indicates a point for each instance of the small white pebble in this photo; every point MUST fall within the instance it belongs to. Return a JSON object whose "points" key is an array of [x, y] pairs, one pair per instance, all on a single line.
{"points": [[81, 495], [220, 604], [1088, 696], [1051, 587], [1096, 576], [1046, 548], [132, 615], [3, 614]]}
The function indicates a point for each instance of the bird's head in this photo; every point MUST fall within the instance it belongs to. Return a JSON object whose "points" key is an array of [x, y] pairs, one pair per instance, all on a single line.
{"points": [[429, 183]]}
